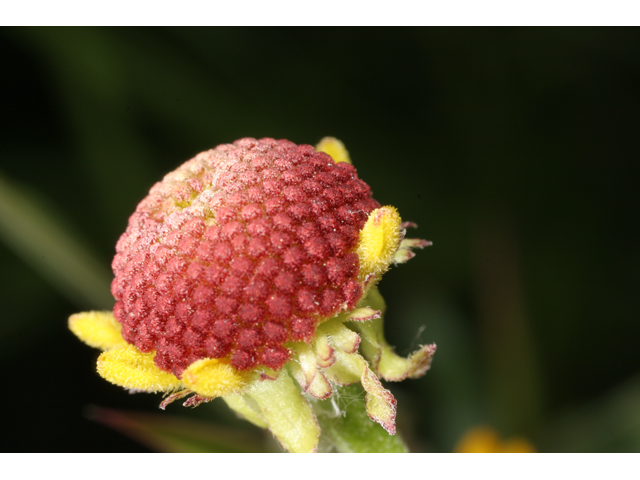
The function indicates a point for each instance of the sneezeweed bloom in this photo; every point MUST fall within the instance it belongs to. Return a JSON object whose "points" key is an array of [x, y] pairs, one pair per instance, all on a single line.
{"points": [[249, 273], [485, 439]]}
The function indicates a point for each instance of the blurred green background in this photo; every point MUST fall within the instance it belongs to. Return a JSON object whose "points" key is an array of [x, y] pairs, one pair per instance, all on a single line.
{"points": [[516, 151]]}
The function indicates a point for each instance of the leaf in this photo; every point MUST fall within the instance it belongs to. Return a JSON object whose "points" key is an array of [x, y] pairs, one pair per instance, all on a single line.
{"points": [[608, 424], [37, 235], [167, 433], [346, 427]]}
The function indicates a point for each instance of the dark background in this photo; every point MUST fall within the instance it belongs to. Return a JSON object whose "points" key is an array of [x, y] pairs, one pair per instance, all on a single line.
{"points": [[515, 150]]}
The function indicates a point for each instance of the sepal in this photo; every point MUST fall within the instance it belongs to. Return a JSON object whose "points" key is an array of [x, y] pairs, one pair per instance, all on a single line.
{"points": [[374, 347], [336, 335], [350, 367], [346, 427], [380, 404], [169, 399], [325, 356], [305, 370], [404, 253], [364, 314]]}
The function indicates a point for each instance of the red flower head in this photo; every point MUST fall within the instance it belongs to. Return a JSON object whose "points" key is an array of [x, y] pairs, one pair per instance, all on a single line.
{"points": [[238, 252], [236, 262]]}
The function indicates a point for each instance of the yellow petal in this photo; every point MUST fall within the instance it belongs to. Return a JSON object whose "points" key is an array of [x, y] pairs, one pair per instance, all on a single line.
{"points": [[479, 440], [484, 439], [211, 377], [132, 369], [379, 241], [334, 148], [518, 445], [97, 329]]}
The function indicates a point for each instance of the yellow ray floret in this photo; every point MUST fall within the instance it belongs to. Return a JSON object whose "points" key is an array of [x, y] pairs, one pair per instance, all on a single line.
{"points": [[97, 329], [379, 241], [484, 439], [134, 370], [334, 148], [211, 377]]}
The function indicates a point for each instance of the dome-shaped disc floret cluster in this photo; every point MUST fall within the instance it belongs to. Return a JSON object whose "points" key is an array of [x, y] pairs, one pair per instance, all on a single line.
{"points": [[240, 250]]}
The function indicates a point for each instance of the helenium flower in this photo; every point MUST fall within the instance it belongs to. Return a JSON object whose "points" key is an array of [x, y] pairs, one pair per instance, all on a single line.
{"points": [[250, 273]]}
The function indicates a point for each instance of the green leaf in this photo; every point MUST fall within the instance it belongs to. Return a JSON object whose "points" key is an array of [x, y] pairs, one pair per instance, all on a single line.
{"points": [[167, 433], [35, 233], [608, 424], [347, 428]]}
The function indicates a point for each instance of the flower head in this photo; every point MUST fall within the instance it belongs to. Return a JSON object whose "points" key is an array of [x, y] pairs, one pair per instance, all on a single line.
{"points": [[485, 439], [249, 263]]}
